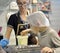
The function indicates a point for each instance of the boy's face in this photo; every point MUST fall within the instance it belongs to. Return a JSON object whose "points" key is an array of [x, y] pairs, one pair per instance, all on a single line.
{"points": [[38, 29], [35, 29]]}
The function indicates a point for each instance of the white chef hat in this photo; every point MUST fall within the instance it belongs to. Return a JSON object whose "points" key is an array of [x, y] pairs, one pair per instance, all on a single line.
{"points": [[38, 19], [13, 6]]}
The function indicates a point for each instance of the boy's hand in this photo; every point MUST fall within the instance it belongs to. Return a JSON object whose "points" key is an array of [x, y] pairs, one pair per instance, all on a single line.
{"points": [[47, 50], [24, 32]]}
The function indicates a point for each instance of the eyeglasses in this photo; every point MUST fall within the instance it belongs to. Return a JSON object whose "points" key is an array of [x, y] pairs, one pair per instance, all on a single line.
{"points": [[22, 4]]}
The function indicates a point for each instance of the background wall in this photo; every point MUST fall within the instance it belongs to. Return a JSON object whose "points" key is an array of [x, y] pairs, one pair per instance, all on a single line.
{"points": [[55, 14]]}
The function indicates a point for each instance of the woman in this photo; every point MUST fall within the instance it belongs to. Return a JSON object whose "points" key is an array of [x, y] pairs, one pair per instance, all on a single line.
{"points": [[14, 22]]}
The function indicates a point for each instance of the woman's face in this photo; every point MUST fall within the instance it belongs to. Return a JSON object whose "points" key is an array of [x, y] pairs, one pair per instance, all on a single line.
{"points": [[22, 5]]}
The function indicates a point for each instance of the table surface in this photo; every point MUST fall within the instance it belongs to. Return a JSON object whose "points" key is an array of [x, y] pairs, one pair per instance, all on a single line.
{"points": [[23, 49]]}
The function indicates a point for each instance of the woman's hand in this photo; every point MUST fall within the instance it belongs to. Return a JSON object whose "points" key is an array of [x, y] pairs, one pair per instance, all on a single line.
{"points": [[24, 32], [47, 50]]}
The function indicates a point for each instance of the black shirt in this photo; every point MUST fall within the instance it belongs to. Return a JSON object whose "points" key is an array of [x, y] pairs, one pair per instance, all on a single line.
{"points": [[13, 22]]}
